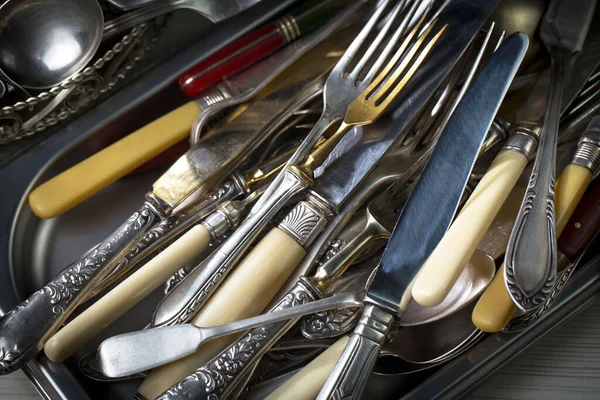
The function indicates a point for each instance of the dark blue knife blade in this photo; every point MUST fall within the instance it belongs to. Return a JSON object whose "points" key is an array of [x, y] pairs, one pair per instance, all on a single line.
{"points": [[433, 203]]}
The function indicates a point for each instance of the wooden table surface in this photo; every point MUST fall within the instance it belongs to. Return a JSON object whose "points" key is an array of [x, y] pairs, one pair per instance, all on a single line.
{"points": [[564, 365]]}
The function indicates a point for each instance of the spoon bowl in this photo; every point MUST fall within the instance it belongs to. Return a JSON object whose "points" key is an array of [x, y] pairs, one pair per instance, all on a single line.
{"points": [[43, 43]]}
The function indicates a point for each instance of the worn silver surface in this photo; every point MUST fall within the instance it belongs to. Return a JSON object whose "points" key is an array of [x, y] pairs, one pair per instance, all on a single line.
{"points": [[44, 43], [305, 221], [25, 329], [531, 255], [213, 10], [588, 149]]}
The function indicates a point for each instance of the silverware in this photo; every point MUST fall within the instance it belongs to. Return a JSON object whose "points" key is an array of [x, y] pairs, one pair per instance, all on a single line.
{"points": [[24, 330], [182, 303], [215, 11], [44, 43], [426, 215], [126, 354], [531, 254]]}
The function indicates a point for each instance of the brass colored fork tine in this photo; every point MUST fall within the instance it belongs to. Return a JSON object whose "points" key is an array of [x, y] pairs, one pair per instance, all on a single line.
{"points": [[377, 82], [389, 47], [353, 75], [398, 87], [349, 54]]}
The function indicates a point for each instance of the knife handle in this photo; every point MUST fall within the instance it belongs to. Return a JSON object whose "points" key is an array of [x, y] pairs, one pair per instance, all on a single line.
{"points": [[349, 376], [244, 352], [306, 384], [446, 262], [495, 307], [126, 295], [584, 224], [250, 287], [91, 175], [25, 329], [245, 293]]}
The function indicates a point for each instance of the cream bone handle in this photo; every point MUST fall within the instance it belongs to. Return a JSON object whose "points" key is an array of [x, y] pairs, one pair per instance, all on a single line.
{"points": [[25, 330], [144, 281], [495, 308], [306, 383], [445, 264], [248, 289], [170, 228], [184, 301], [83, 180]]}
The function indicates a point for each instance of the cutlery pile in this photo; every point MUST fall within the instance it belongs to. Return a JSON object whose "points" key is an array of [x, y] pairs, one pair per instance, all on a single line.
{"points": [[328, 230]]}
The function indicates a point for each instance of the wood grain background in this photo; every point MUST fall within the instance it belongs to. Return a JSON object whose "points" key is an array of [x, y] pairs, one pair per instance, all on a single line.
{"points": [[565, 365]]}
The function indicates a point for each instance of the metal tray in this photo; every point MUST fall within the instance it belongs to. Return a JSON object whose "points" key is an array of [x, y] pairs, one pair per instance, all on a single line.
{"points": [[34, 250]]}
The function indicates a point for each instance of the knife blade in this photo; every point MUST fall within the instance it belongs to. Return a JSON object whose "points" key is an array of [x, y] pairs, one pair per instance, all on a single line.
{"points": [[425, 218]]}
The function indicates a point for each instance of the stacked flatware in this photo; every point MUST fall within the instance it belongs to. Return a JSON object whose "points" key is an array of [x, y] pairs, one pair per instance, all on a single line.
{"points": [[330, 226]]}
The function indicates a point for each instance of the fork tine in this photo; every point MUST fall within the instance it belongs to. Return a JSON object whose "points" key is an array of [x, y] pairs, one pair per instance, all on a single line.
{"points": [[383, 74], [390, 95], [353, 75], [397, 35], [360, 38]]}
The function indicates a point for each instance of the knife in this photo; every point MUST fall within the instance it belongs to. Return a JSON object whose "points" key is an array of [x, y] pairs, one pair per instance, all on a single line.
{"points": [[425, 218], [495, 307], [356, 162], [24, 330], [83, 180]]}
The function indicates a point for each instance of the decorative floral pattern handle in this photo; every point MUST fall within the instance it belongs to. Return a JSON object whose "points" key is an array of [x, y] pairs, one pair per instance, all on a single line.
{"points": [[25, 329], [219, 377]]}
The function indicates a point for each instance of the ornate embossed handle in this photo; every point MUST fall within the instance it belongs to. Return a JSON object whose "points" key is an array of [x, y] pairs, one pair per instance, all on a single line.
{"points": [[180, 305], [350, 374], [25, 329], [220, 376], [531, 255]]}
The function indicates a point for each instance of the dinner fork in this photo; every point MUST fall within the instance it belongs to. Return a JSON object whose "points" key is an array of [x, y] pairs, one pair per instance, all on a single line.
{"points": [[339, 91]]}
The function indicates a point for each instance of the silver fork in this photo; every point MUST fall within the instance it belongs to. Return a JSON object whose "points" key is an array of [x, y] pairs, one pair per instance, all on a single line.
{"points": [[341, 89], [191, 294]]}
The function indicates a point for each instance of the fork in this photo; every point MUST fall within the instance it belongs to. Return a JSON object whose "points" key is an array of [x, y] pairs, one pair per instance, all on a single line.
{"points": [[259, 284]]}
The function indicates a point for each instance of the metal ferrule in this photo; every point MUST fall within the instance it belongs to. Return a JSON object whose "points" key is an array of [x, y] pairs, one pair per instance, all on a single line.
{"points": [[226, 217], [306, 220], [213, 96], [497, 133], [588, 153], [288, 28], [374, 324], [161, 207], [523, 139]]}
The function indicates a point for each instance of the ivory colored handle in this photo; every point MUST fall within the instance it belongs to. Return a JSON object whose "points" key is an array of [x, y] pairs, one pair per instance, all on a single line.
{"points": [[445, 264], [83, 180], [495, 307], [246, 292], [570, 187], [126, 295], [307, 383]]}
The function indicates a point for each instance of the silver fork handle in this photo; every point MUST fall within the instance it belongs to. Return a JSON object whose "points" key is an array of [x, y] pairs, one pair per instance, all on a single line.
{"points": [[349, 376], [531, 255], [182, 303], [24, 330]]}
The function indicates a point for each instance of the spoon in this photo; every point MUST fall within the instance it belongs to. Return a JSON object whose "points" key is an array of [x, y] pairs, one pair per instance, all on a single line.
{"points": [[43, 43]]}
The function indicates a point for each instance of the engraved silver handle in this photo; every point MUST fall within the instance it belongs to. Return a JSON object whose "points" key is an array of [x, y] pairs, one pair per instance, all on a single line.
{"points": [[169, 229], [221, 375], [353, 368], [25, 329], [531, 255], [182, 303]]}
